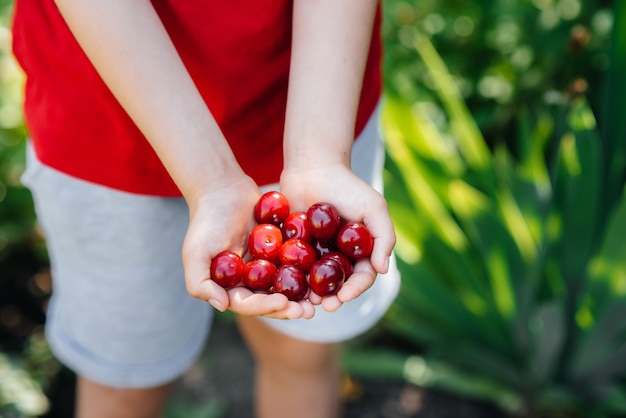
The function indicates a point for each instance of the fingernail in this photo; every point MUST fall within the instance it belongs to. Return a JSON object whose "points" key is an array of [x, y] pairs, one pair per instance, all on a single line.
{"points": [[386, 264], [216, 304]]}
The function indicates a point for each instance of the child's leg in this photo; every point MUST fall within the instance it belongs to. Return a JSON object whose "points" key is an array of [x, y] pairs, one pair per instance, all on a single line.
{"points": [[120, 314], [294, 378], [94, 400]]}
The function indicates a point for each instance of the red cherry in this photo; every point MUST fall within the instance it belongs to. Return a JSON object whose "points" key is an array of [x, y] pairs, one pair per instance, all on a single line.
{"points": [[259, 274], [227, 269], [342, 259], [291, 282], [265, 241], [296, 252], [326, 277], [297, 226], [271, 208], [355, 240], [323, 247], [324, 220]]}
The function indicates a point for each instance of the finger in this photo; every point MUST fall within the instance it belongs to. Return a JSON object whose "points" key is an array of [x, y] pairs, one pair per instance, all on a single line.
{"points": [[293, 310], [245, 302], [314, 298], [308, 310], [380, 226], [208, 290], [331, 303], [362, 279], [199, 285]]}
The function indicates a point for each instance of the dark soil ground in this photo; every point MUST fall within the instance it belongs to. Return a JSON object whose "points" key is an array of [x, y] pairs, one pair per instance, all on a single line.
{"points": [[219, 385], [225, 373]]}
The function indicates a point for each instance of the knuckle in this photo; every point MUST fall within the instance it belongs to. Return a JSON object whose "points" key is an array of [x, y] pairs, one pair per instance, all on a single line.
{"points": [[194, 290]]}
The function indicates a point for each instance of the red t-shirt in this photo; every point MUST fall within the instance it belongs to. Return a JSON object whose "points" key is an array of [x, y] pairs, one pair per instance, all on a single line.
{"points": [[236, 51]]}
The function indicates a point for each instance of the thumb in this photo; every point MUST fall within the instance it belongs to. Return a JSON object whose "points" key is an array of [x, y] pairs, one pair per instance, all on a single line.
{"points": [[383, 232]]}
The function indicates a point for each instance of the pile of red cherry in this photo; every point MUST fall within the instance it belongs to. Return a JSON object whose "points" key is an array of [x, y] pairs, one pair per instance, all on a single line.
{"points": [[294, 252]]}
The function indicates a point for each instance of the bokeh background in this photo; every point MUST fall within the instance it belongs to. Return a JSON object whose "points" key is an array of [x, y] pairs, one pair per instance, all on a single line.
{"points": [[504, 122]]}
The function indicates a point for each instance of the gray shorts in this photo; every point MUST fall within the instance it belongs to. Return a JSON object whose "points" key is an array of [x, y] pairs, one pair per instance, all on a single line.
{"points": [[120, 314]]}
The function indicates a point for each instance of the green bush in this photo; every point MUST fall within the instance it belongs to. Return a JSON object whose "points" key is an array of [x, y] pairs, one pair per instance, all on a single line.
{"points": [[17, 218], [503, 54], [514, 275]]}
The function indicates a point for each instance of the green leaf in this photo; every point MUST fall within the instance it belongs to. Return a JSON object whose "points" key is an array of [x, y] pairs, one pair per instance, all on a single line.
{"points": [[385, 364], [614, 128], [471, 142], [377, 364], [577, 186], [423, 197], [547, 330], [463, 271], [607, 270], [533, 138], [615, 400], [404, 122], [455, 312], [430, 373], [601, 352], [522, 226], [180, 407], [484, 227]]}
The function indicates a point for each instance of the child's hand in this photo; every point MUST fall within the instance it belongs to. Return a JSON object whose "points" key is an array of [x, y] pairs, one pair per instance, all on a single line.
{"points": [[356, 201], [221, 220]]}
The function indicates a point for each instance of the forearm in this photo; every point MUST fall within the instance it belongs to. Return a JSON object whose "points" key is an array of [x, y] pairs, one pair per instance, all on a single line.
{"points": [[130, 48], [331, 41]]}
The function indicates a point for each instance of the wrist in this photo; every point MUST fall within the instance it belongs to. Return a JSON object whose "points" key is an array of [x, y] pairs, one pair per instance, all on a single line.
{"points": [[308, 153], [211, 179], [309, 167]]}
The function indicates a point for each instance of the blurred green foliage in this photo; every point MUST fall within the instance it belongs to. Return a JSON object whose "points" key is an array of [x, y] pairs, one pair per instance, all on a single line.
{"points": [[503, 54], [24, 377], [511, 251], [17, 218]]}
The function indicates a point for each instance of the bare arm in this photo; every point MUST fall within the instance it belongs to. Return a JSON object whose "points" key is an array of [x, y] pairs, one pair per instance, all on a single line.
{"points": [[331, 40], [130, 48], [330, 44], [128, 45]]}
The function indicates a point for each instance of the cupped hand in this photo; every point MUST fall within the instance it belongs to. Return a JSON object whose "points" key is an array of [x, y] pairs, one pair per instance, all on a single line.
{"points": [[220, 220], [356, 201]]}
